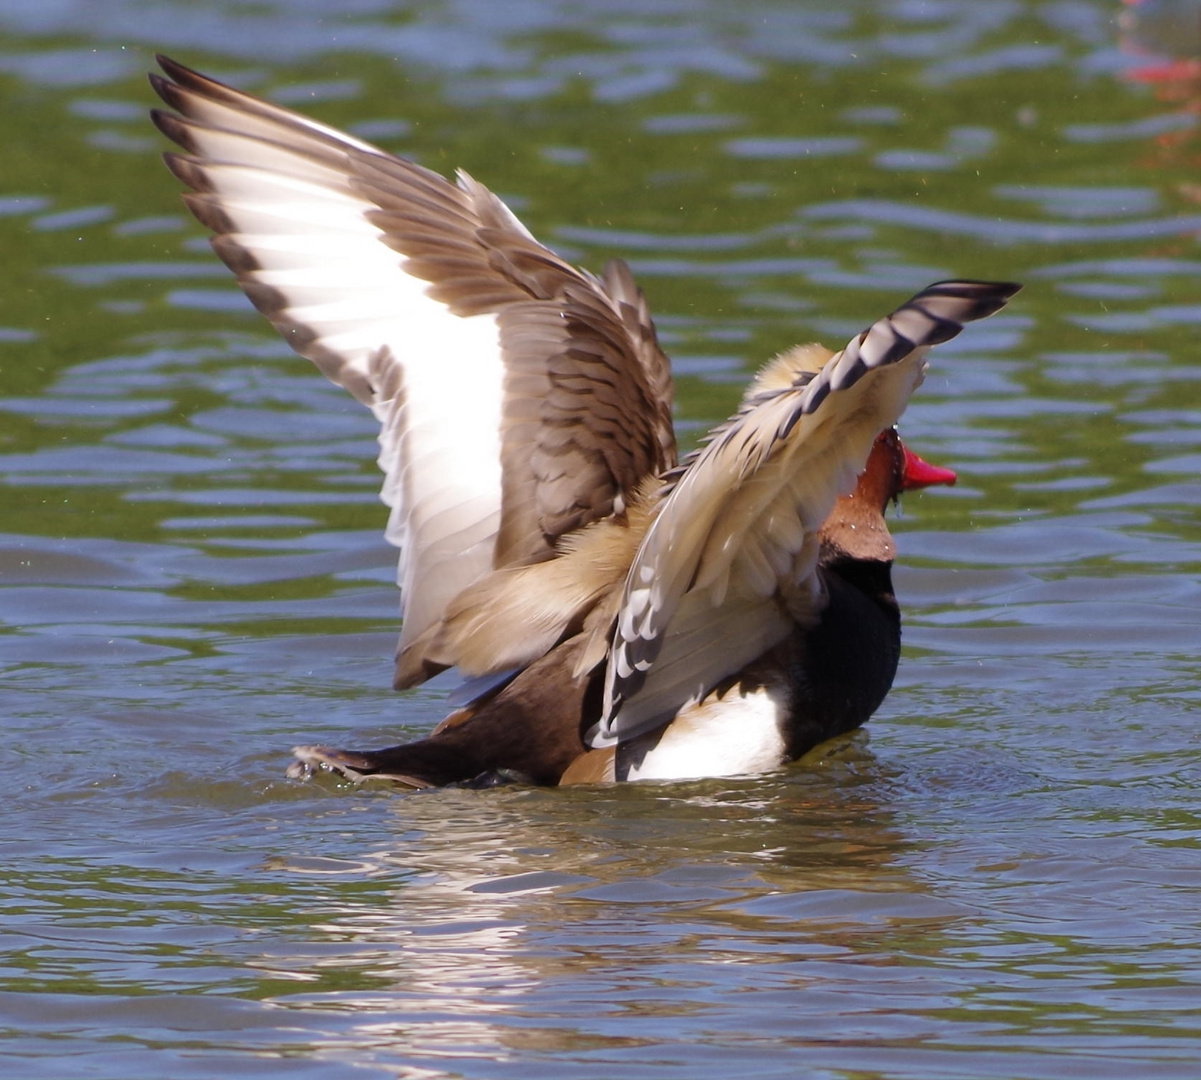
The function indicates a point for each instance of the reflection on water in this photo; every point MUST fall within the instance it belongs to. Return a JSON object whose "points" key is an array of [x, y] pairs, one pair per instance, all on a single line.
{"points": [[998, 880], [615, 911]]}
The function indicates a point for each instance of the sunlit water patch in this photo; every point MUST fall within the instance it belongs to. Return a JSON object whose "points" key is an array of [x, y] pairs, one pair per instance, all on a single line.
{"points": [[997, 879]]}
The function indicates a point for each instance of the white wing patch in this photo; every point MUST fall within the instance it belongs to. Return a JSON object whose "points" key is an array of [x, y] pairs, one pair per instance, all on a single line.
{"points": [[316, 248]]}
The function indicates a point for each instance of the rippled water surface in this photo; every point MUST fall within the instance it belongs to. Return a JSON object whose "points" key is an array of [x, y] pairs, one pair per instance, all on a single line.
{"points": [[1000, 878]]}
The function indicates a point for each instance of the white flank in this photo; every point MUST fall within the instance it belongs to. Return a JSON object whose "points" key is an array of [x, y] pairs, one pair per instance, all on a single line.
{"points": [[736, 736]]}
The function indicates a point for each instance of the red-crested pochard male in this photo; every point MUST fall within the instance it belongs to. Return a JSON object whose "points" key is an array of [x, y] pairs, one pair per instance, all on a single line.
{"points": [[617, 614]]}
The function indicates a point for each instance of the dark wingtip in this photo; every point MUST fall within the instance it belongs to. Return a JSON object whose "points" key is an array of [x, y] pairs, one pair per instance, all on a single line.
{"points": [[984, 297], [989, 296], [173, 68], [168, 123], [963, 286]]}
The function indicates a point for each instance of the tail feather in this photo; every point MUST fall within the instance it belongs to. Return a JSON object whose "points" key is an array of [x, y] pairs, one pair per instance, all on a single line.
{"points": [[412, 764]]}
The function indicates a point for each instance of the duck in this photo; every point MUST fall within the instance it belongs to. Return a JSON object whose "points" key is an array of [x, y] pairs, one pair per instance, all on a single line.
{"points": [[616, 612]]}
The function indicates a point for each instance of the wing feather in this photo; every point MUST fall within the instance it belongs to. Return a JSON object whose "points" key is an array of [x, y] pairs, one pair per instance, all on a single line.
{"points": [[705, 594], [518, 397]]}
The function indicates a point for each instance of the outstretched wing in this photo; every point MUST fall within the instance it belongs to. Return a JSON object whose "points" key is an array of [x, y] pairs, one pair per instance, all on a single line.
{"points": [[728, 566], [519, 398]]}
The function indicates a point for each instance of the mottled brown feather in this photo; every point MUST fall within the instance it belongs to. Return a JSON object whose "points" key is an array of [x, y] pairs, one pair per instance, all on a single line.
{"points": [[565, 462]]}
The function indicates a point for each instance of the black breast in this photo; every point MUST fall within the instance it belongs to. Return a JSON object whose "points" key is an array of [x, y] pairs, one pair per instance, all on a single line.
{"points": [[842, 669]]}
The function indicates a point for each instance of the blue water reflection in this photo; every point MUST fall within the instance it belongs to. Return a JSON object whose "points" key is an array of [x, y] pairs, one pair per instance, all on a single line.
{"points": [[997, 879]]}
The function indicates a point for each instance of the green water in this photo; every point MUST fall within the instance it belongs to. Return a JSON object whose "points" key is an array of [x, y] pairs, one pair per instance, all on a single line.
{"points": [[998, 879]]}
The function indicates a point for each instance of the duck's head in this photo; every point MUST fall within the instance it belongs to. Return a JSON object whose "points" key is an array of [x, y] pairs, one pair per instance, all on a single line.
{"points": [[893, 468], [856, 526]]}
